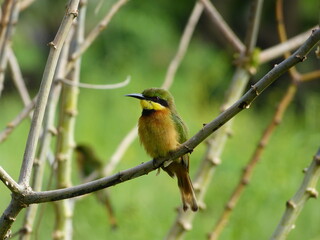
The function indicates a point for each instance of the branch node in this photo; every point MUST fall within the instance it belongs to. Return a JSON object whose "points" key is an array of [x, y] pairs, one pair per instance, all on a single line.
{"points": [[301, 58], [53, 131], [291, 204], [72, 112], [255, 89], [185, 225], [229, 206], [61, 157], [52, 44], [202, 205], [36, 162], [245, 181], [215, 161], [244, 105], [317, 159], [313, 193], [10, 125], [74, 13]]}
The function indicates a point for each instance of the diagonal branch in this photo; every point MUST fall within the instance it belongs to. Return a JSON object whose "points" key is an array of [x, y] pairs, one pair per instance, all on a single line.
{"points": [[278, 50], [4, 134], [223, 27], [9, 182], [243, 103], [183, 45], [295, 205], [47, 78]]}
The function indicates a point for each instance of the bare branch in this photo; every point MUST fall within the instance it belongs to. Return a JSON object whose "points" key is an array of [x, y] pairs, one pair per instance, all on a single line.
{"points": [[17, 77], [248, 170], [9, 182], [96, 86], [8, 21], [278, 50], [223, 27], [55, 50], [98, 29], [243, 103], [17, 120], [25, 4], [295, 205], [118, 154], [183, 45]]}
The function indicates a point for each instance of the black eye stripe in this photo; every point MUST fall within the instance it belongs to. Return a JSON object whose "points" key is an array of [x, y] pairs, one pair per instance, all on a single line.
{"points": [[158, 100]]}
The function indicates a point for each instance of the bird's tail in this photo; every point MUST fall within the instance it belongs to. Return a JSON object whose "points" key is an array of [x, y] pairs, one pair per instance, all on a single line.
{"points": [[187, 193]]}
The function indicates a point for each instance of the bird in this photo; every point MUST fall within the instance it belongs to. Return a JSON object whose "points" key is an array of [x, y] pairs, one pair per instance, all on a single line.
{"points": [[89, 163], [161, 131]]}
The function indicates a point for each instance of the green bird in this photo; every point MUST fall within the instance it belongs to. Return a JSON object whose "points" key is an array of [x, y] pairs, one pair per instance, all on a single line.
{"points": [[161, 131], [88, 163]]}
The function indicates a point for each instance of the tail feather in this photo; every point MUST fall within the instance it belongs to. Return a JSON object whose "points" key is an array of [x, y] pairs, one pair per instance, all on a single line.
{"points": [[187, 192]]}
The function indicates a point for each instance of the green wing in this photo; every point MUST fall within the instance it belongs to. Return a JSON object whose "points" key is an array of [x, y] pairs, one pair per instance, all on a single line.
{"points": [[181, 128], [183, 136]]}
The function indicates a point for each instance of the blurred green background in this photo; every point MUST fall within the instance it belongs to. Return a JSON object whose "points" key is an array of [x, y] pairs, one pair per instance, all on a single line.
{"points": [[140, 41]]}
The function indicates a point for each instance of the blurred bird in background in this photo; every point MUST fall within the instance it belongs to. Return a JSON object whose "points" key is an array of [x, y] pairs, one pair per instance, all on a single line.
{"points": [[90, 164], [161, 131]]}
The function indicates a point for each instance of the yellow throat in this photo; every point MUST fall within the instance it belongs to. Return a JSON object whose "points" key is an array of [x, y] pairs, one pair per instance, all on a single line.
{"points": [[150, 105]]}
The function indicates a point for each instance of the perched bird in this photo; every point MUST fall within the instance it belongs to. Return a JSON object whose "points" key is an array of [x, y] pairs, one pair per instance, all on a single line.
{"points": [[89, 163], [161, 131]]}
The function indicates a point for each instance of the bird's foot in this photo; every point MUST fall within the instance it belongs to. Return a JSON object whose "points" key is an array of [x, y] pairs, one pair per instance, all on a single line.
{"points": [[167, 163], [190, 150]]}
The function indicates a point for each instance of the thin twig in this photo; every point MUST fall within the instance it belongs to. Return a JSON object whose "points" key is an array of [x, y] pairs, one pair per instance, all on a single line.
{"points": [[310, 76], [295, 205], [283, 35], [96, 86], [121, 149], [183, 45], [17, 120], [9, 182], [25, 4], [96, 31], [223, 27], [17, 77], [8, 22], [278, 50]]}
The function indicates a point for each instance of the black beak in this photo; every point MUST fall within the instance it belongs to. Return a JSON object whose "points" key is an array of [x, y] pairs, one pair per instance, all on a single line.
{"points": [[136, 95]]}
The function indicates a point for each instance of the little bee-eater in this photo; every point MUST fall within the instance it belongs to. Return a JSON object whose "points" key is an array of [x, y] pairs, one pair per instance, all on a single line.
{"points": [[161, 131]]}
